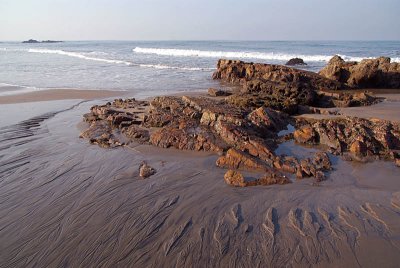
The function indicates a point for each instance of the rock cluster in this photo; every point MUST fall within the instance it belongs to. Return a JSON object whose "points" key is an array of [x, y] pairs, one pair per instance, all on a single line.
{"points": [[360, 137], [369, 73], [246, 138], [282, 88], [243, 127]]}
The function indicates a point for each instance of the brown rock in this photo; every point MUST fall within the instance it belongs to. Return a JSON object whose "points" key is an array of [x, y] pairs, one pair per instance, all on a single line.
{"points": [[305, 134], [146, 171], [369, 73], [239, 160], [321, 161], [295, 61], [217, 92], [275, 86], [269, 179], [358, 148], [234, 178]]}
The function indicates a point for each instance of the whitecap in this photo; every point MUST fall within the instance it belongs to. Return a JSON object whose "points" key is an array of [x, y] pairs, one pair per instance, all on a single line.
{"points": [[76, 55], [242, 54]]}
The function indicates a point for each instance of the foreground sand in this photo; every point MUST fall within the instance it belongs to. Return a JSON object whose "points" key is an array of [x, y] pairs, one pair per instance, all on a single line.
{"points": [[59, 94], [64, 202]]}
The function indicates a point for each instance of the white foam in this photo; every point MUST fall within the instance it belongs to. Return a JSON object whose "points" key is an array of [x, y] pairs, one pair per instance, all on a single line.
{"points": [[160, 66], [242, 55], [21, 90], [76, 55]]}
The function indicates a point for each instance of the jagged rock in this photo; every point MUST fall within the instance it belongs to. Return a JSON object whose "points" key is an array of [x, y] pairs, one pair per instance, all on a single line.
{"points": [[236, 159], [270, 179], [275, 86], [136, 133], [146, 171], [218, 92], [369, 73], [321, 161], [358, 148], [296, 61], [234, 178], [245, 125], [359, 136], [305, 134]]}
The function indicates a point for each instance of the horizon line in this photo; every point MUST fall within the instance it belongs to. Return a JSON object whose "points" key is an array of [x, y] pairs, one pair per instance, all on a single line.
{"points": [[210, 40]]}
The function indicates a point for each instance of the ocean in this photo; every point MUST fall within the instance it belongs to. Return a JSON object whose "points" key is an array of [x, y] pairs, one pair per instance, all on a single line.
{"points": [[148, 68]]}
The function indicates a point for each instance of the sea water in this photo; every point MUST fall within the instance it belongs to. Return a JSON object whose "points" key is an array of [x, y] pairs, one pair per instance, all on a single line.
{"points": [[149, 68]]}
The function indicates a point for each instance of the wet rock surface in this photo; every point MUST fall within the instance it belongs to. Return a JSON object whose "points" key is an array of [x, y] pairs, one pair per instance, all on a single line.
{"points": [[146, 171], [235, 178], [369, 73], [245, 138], [243, 127], [295, 61], [284, 88], [361, 138]]}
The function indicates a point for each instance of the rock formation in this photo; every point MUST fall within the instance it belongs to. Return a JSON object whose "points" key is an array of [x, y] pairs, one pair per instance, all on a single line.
{"points": [[33, 41], [360, 137], [295, 61], [235, 178], [282, 88], [243, 127], [369, 73]]}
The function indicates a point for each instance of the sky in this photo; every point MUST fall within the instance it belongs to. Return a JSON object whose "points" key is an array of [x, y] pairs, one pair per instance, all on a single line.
{"points": [[200, 20]]}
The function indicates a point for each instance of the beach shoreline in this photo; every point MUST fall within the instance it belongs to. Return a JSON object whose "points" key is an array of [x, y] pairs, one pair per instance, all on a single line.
{"points": [[186, 206], [59, 94]]}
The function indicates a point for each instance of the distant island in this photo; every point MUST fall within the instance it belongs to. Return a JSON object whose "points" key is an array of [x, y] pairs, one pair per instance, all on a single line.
{"points": [[33, 41]]}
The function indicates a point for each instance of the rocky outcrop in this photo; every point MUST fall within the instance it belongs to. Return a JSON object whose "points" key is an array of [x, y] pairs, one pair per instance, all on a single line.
{"points": [[361, 138], [369, 73], [295, 61], [235, 178], [33, 41], [244, 137], [243, 128], [282, 88]]}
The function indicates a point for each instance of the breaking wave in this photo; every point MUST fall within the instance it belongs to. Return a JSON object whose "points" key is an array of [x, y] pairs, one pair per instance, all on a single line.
{"points": [[76, 55], [85, 57], [242, 54]]}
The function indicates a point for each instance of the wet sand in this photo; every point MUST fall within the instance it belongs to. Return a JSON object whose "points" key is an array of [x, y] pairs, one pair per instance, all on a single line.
{"points": [[59, 94], [64, 202], [388, 109]]}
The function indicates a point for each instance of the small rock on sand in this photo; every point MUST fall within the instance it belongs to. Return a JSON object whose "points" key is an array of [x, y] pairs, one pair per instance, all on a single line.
{"points": [[146, 171]]}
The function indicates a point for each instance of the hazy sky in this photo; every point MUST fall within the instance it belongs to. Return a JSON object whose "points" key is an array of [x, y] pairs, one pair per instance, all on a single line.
{"points": [[200, 19]]}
